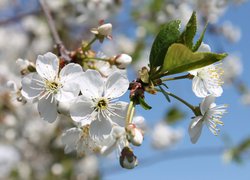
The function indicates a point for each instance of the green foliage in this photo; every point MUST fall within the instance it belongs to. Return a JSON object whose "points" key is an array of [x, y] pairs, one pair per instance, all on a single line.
{"points": [[168, 35], [189, 32], [198, 43], [165, 93], [174, 115], [180, 58], [143, 104]]}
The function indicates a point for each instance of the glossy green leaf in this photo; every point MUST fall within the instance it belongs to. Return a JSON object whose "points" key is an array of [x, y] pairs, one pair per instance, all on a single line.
{"points": [[168, 35], [181, 59], [189, 32]]}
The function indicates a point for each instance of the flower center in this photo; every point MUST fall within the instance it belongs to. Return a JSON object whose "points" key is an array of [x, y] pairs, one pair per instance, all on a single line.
{"points": [[102, 104], [52, 86]]}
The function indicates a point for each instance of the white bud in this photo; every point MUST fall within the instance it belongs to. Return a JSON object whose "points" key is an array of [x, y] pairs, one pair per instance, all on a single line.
{"points": [[105, 29], [134, 135], [123, 60]]}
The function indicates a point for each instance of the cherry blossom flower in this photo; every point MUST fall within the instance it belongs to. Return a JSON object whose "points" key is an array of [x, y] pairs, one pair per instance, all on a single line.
{"points": [[207, 80], [97, 105], [210, 115], [78, 139], [48, 85]]}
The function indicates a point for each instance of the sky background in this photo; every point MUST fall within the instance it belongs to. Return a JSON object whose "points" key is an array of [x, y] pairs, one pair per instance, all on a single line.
{"points": [[237, 124]]}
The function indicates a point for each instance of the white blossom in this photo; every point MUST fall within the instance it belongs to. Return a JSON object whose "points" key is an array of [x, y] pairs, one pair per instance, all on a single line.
{"points": [[78, 139], [210, 116], [48, 85], [207, 80], [97, 105]]}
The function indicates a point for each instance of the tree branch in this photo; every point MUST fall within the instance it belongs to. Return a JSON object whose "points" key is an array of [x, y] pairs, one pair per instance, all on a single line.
{"points": [[60, 47]]}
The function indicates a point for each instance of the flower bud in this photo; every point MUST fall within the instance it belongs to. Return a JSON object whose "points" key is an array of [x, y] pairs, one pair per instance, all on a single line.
{"points": [[122, 61], [134, 135], [105, 29], [127, 159]]}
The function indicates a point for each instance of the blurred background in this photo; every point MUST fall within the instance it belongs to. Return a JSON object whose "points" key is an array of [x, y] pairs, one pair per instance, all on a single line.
{"points": [[31, 148]]}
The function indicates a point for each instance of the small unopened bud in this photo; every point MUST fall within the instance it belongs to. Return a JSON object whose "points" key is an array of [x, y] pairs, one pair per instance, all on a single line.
{"points": [[134, 135], [127, 159], [122, 61], [104, 30]]}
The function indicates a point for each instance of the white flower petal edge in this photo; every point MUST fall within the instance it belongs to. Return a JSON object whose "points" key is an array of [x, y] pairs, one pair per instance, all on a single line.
{"points": [[47, 66], [47, 108], [70, 139], [116, 85], [195, 129], [210, 115], [31, 86], [93, 84], [100, 130]]}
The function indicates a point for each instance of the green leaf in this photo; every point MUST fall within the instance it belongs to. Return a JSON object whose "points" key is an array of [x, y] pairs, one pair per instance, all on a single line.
{"points": [[168, 35], [198, 43], [188, 34], [164, 93], [181, 59], [144, 104]]}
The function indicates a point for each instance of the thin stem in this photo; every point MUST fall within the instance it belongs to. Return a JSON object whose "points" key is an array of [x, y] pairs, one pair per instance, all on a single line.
{"points": [[183, 101], [60, 47], [96, 58], [130, 113], [51, 22], [176, 78], [90, 43]]}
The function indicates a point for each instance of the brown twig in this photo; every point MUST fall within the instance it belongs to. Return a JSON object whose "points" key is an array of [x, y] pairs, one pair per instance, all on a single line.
{"points": [[60, 47]]}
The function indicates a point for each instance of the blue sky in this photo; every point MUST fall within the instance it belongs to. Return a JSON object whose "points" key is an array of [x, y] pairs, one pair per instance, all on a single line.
{"points": [[237, 124]]}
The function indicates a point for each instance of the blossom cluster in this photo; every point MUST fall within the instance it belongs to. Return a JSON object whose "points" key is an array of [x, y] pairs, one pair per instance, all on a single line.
{"points": [[89, 95]]}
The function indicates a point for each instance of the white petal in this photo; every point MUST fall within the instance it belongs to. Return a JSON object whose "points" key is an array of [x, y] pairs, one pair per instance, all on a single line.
{"points": [[215, 90], [82, 110], [195, 129], [70, 139], [121, 112], [100, 130], [198, 87], [47, 109], [47, 66], [70, 71], [206, 103], [92, 84], [68, 92], [116, 85], [204, 48], [32, 86]]}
